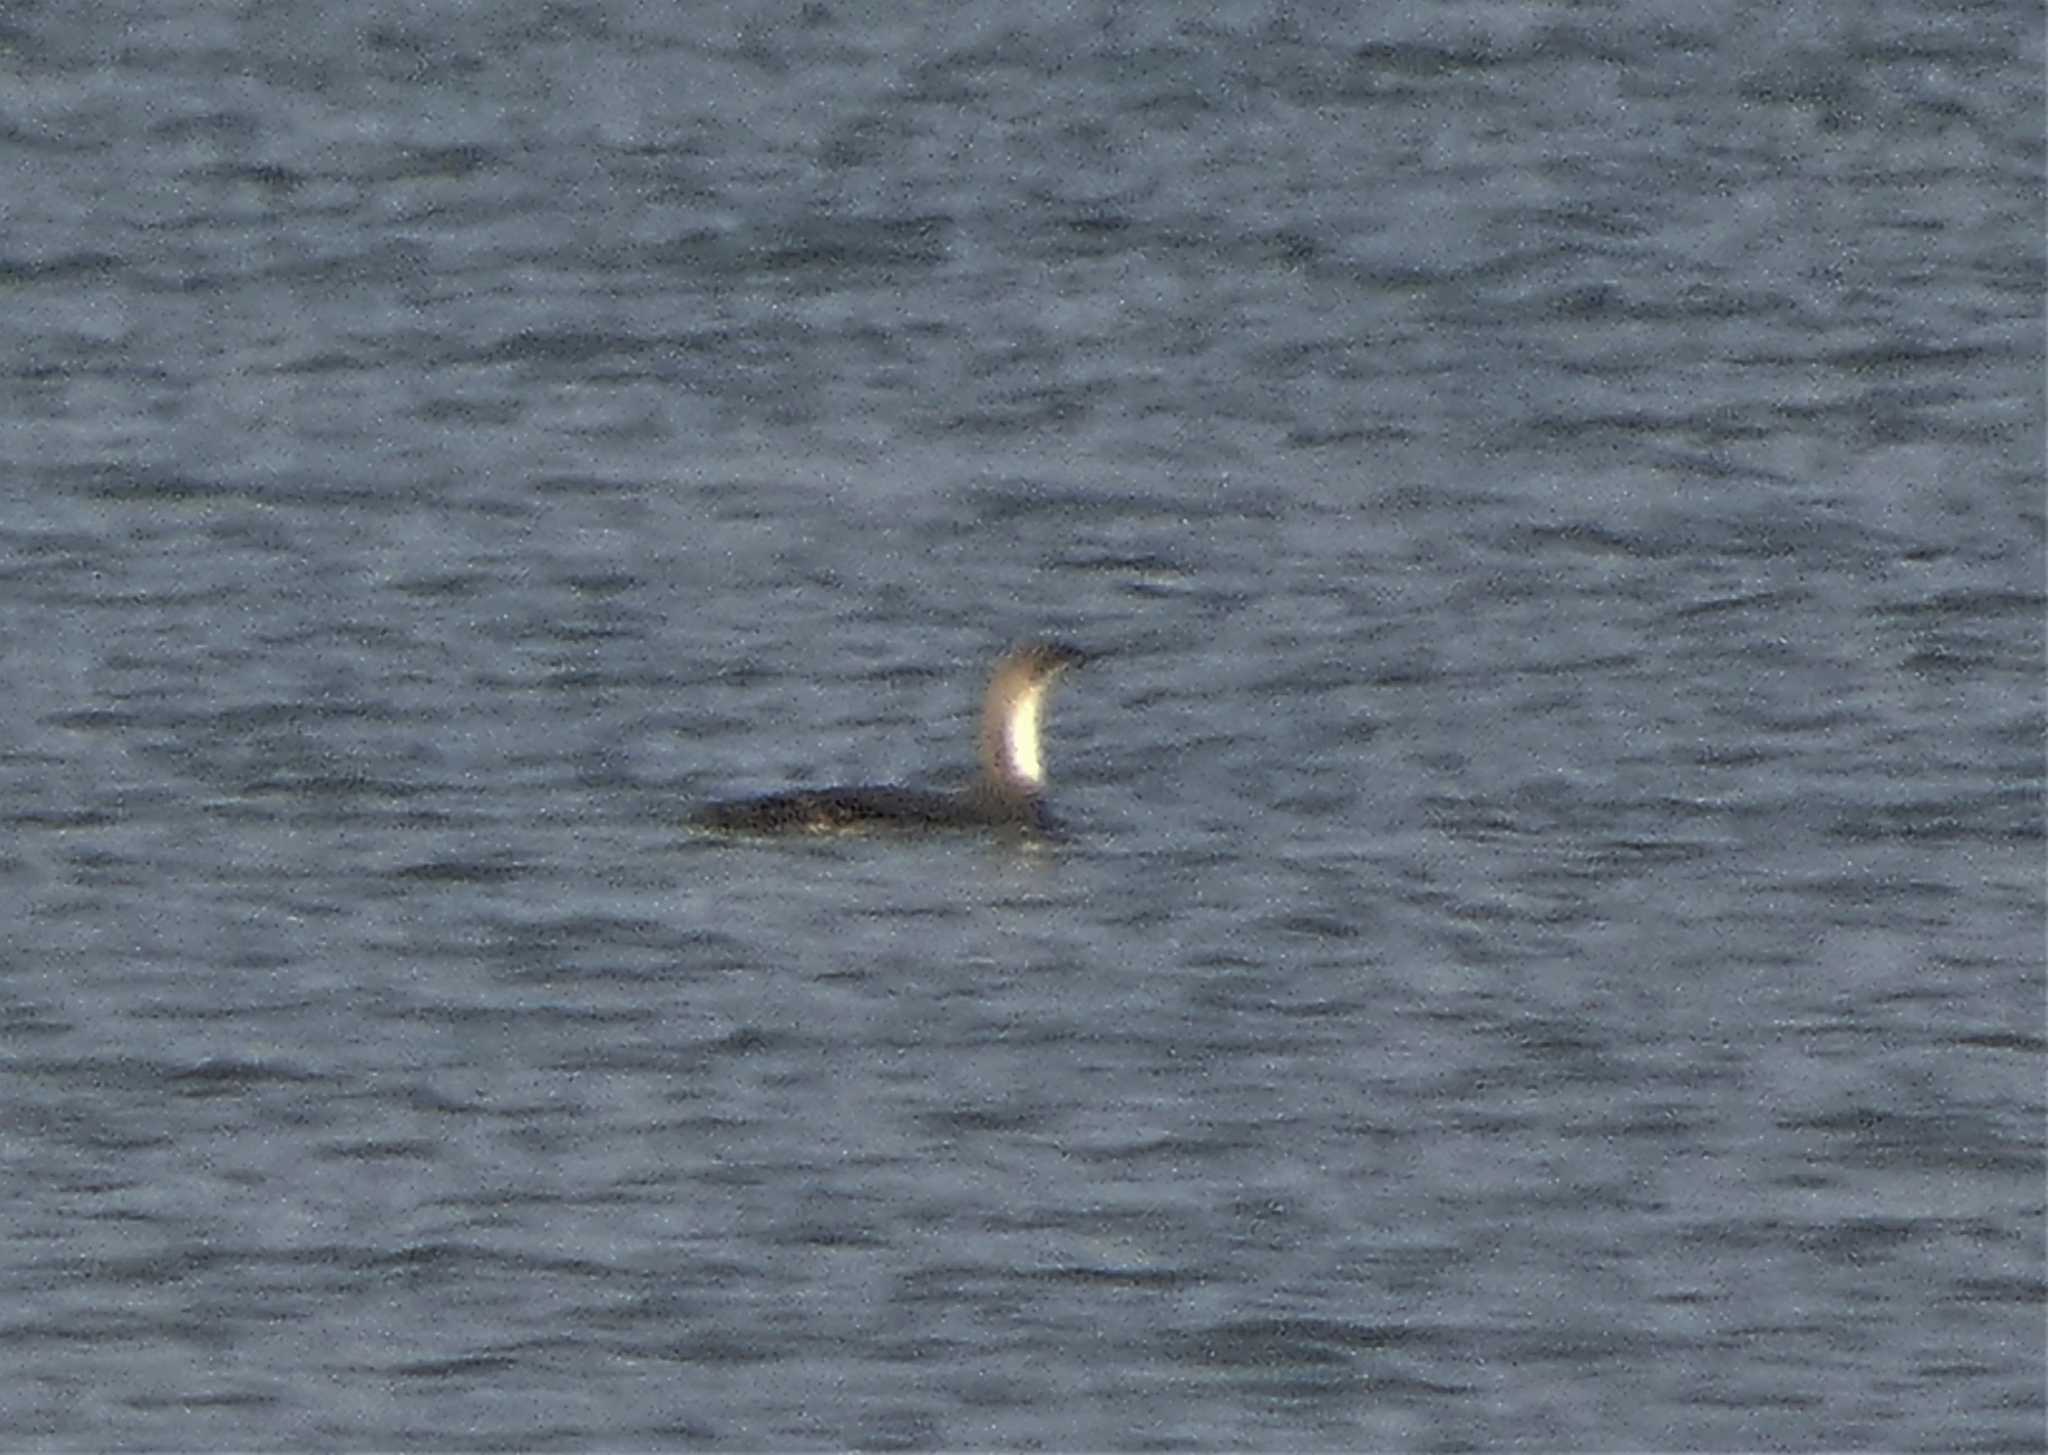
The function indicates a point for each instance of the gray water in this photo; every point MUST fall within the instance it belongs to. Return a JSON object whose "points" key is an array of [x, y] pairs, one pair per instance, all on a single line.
{"points": [[1551, 954]]}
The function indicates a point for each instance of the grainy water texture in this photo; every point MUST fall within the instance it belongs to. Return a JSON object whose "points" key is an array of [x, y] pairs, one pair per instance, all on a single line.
{"points": [[1551, 949]]}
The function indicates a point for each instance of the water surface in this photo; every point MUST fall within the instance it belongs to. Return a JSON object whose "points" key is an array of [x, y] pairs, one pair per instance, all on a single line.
{"points": [[1552, 954]]}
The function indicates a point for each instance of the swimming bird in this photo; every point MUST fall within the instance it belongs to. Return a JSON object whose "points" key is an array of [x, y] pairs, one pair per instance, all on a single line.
{"points": [[1008, 794]]}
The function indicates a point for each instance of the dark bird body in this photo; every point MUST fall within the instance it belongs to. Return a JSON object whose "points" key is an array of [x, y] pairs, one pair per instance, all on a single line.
{"points": [[1009, 794]]}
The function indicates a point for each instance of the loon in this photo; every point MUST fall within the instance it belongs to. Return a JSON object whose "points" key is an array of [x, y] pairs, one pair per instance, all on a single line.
{"points": [[1009, 794]]}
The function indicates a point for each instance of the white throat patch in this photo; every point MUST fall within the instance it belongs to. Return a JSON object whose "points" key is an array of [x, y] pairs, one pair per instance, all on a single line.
{"points": [[1020, 740]]}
